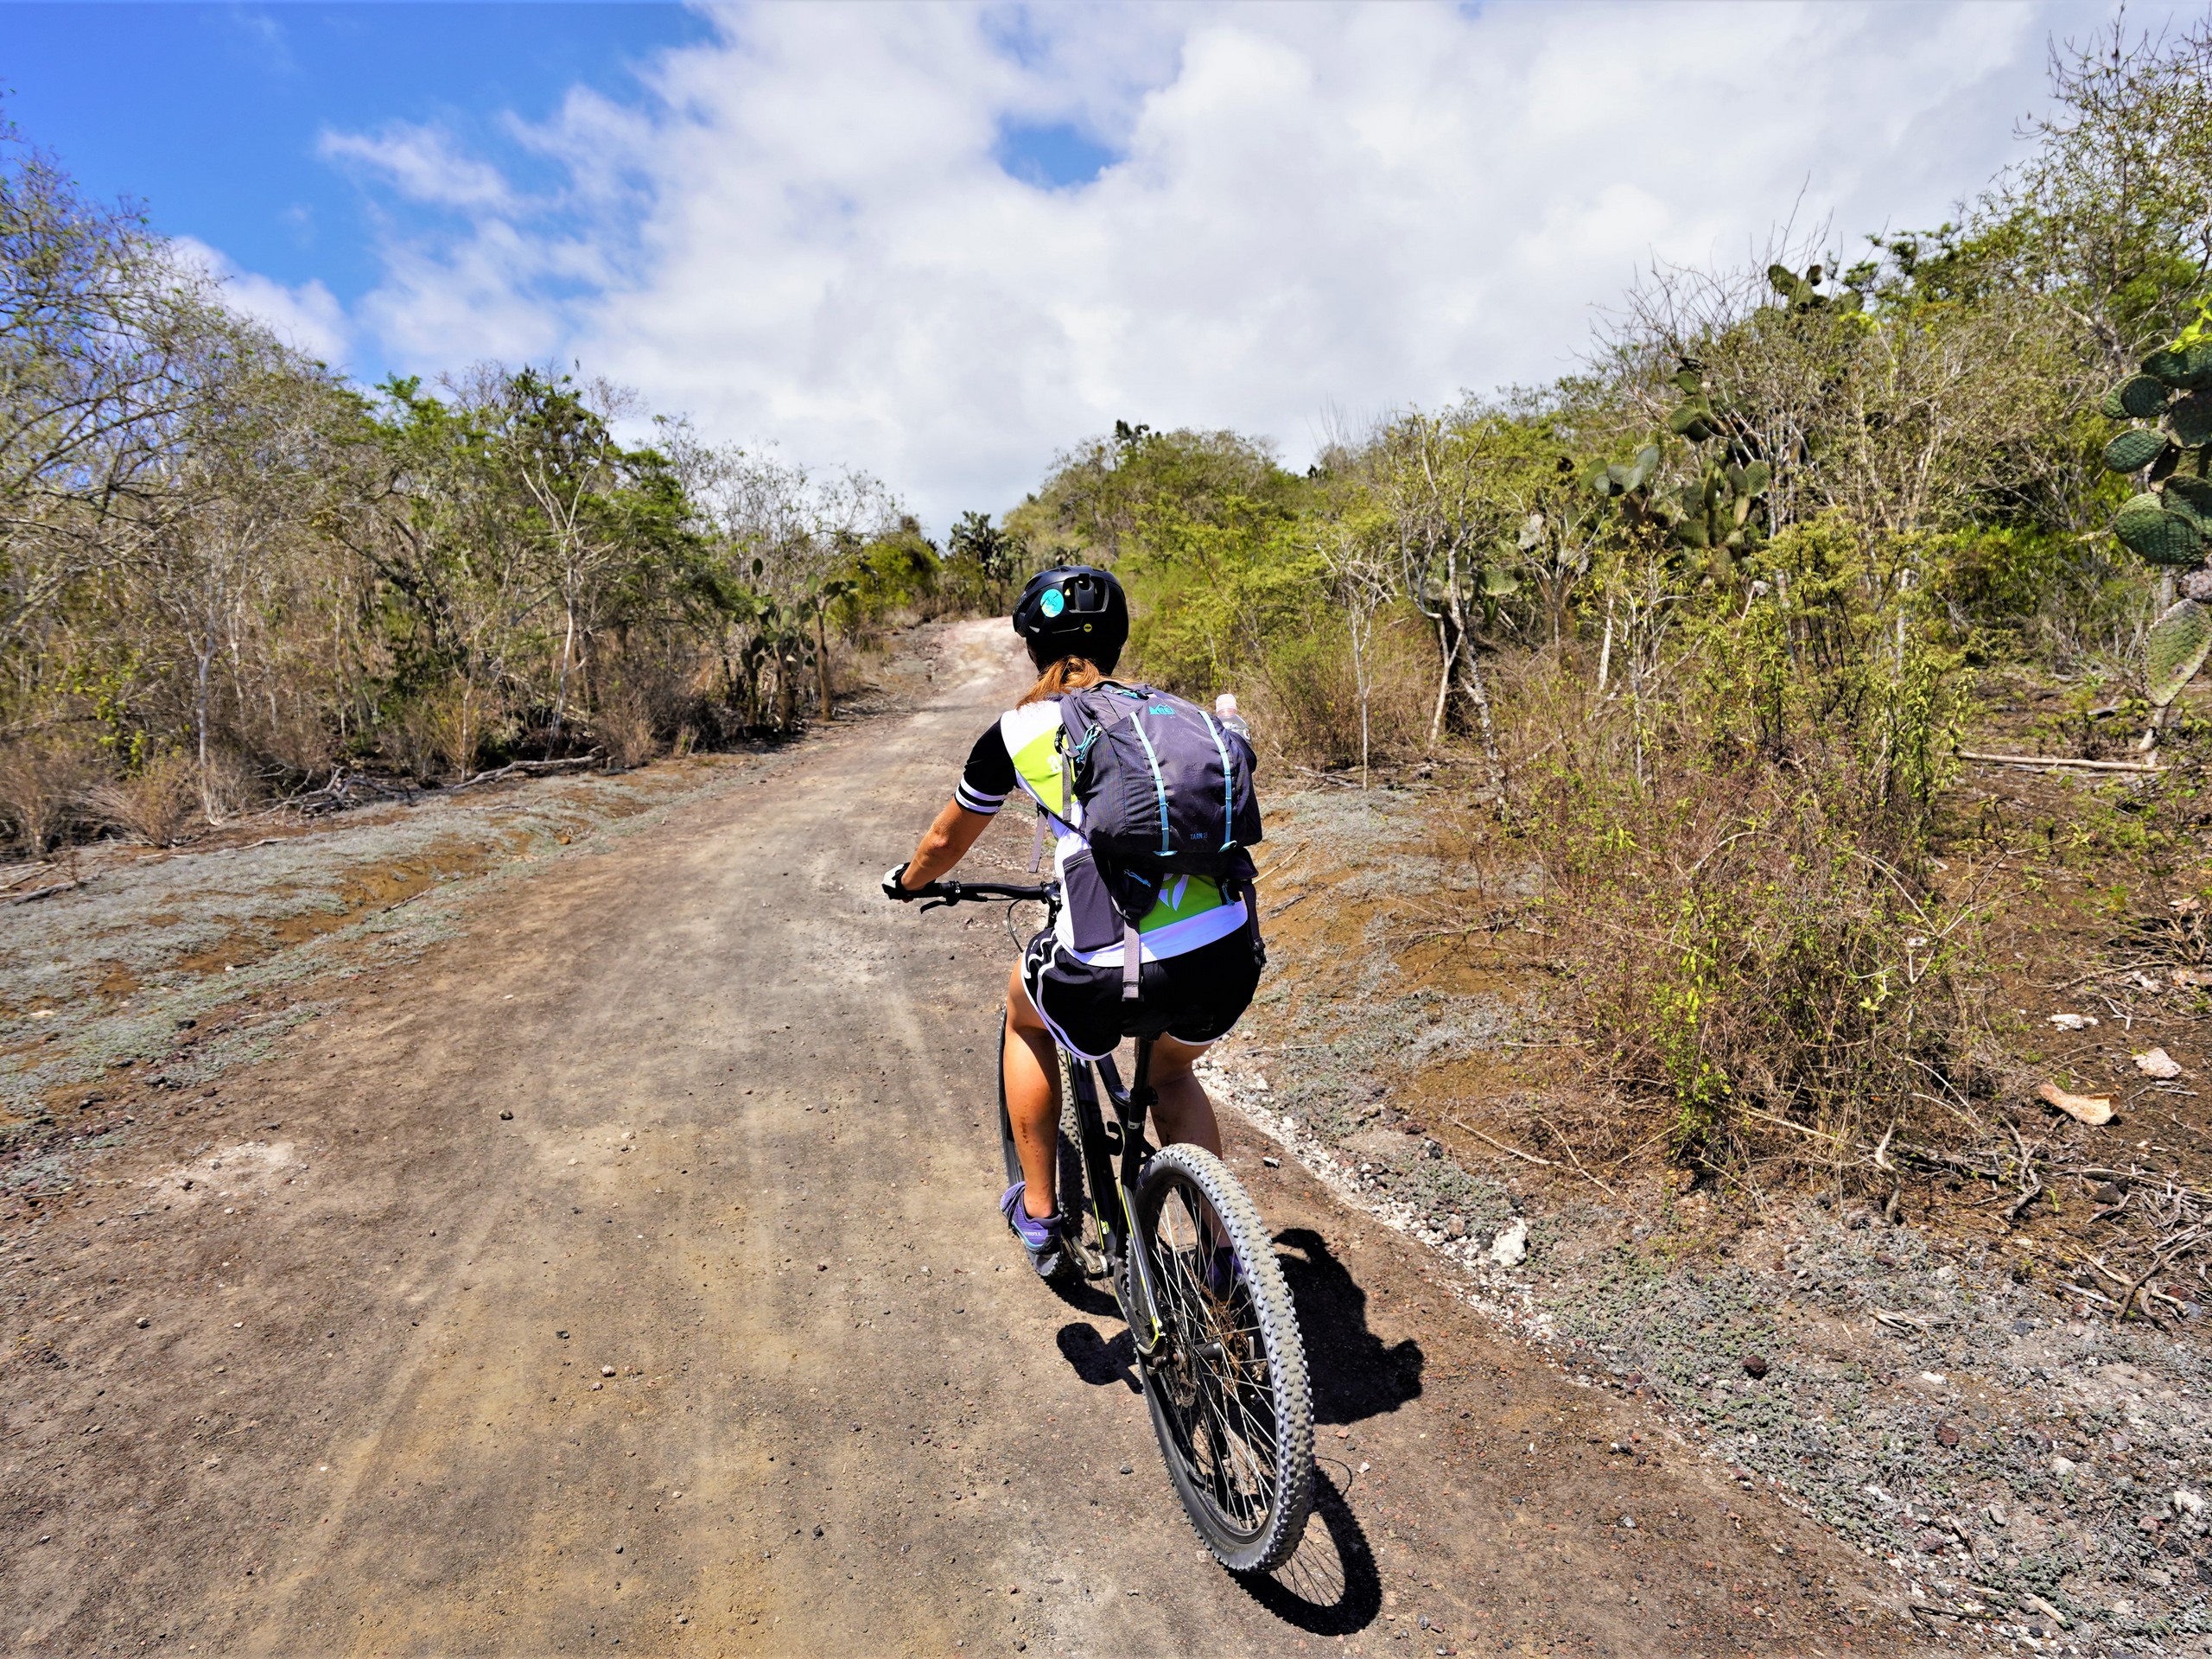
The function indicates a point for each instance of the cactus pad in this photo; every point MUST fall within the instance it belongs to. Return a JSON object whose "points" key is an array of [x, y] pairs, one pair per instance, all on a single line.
{"points": [[2187, 367], [1692, 413], [2192, 419], [2176, 649], [2157, 535], [2139, 397], [2134, 450], [2192, 498]]}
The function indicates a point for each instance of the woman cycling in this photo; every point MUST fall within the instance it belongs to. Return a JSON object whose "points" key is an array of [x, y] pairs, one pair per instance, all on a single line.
{"points": [[1200, 955]]}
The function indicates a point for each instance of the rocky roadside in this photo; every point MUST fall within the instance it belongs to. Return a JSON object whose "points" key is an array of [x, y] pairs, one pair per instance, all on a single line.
{"points": [[2034, 1474]]}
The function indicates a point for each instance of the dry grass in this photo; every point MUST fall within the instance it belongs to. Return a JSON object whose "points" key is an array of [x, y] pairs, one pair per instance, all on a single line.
{"points": [[156, 806], [43, 789], [1306, 704]]}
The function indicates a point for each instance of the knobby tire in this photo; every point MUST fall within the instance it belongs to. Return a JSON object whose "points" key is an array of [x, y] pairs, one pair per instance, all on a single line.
{"points": [[1228, 1393]]}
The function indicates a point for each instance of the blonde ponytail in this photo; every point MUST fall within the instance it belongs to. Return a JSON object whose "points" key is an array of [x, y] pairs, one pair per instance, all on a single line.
{"points": [[1069, 674]]}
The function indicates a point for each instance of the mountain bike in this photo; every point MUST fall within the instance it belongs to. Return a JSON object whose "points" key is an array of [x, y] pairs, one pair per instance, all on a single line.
{"points": [[1193, 1269]]}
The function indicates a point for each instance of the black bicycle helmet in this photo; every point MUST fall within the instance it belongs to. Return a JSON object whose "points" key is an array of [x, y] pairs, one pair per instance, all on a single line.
{"points": [[1076, 611]]}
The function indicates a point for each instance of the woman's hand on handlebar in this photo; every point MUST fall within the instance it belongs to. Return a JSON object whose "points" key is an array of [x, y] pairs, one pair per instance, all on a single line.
{"points": [[894, 886]]}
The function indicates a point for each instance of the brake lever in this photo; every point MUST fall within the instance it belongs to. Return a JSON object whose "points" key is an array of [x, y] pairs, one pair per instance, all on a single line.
{"points": [[940, 904]]}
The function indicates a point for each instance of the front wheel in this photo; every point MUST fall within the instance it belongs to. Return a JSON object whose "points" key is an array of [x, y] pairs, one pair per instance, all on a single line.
{"points": [[1227, 1386]]}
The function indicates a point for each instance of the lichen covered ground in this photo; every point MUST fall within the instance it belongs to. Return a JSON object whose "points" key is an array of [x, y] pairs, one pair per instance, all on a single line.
{"points": [[2032, 1472]]}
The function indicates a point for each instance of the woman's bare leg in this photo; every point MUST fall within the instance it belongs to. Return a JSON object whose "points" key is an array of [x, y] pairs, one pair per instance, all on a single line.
{"points": [[1031, 1066], [1184, 1112]]}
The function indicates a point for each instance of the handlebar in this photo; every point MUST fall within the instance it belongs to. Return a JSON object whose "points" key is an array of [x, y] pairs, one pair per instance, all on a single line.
{"points": [[955, 892]]}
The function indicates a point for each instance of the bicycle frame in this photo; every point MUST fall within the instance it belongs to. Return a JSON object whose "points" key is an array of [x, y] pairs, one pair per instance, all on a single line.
{"points": [[1101, 1143]]}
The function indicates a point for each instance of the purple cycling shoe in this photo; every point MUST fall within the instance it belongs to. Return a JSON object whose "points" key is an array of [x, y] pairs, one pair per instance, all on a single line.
{"points": [[1045, 1240]]}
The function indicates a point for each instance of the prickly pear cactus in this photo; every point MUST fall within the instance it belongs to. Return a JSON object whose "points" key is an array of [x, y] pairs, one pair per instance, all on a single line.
{"points": [[2169, 521], [1803, 293], [1720, 511]]}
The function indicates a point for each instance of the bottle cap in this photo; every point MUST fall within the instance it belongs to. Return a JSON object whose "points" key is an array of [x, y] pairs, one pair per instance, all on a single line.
{"points": [[1226, 705]]}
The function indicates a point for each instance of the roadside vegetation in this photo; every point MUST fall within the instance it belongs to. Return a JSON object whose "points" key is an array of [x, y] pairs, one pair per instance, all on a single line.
{"points": [[1719, 636], [228, 573]]}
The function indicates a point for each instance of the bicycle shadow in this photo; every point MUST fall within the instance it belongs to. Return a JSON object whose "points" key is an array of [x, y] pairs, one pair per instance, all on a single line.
{"points": [[1330, 1586], [1097, 1360], [1354, 1373]]}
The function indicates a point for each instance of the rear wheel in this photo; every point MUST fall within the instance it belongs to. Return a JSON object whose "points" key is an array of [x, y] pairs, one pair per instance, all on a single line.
{"points": [[1227, 1387]]}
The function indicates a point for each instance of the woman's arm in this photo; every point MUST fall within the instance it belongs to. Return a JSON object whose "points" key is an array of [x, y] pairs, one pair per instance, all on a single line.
{"points": [[943, 844]]}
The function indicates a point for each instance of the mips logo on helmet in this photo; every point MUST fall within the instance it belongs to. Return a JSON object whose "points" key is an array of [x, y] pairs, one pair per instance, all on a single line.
{"points": [[1053, 602]]}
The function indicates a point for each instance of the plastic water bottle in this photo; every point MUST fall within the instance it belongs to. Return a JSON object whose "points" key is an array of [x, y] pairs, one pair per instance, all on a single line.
{"points": [[1224, 711]]}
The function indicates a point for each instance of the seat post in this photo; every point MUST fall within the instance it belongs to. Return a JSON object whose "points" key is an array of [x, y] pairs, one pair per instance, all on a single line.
{"points": [[1140, 1095], [1143, 1098]]}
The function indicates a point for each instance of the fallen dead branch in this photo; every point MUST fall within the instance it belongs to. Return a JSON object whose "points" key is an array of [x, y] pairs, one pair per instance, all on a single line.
{"points": [[2168, 1249], [528, 769], [2045, 762], [1567, 1147], [37, 894], [338, 794], [1331, 777], [1529, 1157]]}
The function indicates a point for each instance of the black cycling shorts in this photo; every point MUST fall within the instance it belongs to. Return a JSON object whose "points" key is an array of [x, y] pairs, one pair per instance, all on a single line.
{"points": [[1194, 998]]}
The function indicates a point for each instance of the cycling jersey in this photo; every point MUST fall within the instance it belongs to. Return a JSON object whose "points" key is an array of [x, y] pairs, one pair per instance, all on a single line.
{"points": [[1191, 910], [1196, 954]]}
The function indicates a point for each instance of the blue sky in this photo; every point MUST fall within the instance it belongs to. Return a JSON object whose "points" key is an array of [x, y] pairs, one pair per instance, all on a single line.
{"points": [[212, 116], [943, 239]]}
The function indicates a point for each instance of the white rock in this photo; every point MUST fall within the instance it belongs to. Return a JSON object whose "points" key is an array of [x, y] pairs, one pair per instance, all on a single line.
{"points": [[2157, 1062], [2073, 1021], [1510, 1248], [2062, 1466], [2188, 1502]]}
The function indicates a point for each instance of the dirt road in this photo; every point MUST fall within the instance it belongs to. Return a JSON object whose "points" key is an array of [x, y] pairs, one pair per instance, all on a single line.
{"points": [[717, 1343]]}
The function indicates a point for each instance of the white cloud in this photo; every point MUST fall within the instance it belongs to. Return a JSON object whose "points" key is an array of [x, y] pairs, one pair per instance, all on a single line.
{"points": [[423, 164], [306, 317], [804, 237]]}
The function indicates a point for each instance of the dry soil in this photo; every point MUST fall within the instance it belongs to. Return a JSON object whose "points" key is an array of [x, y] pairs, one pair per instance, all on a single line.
{"points": [[624, 1271]]}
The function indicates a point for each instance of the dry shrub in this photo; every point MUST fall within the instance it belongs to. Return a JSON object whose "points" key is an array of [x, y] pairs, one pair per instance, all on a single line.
{"points": [[648, 696], [1744, 908], [1308, 700], [156, 805], [229, 787], [42, 788], [625, 736], [436, 735], [288, 733]]}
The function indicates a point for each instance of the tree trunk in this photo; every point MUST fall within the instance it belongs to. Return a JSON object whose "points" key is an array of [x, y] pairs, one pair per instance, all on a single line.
{"points": [[1359, 678], [1470, 679], [1605, 651], [1443, 684], [821, 660], [561, 689], [204, 654]]}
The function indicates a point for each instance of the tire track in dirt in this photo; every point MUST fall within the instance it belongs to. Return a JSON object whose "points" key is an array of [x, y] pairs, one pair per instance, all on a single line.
{"points": [[750, 1169]]}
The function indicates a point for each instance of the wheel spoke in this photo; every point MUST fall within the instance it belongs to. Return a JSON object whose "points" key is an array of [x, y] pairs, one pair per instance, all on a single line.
{"points": [[1217, 1388]]}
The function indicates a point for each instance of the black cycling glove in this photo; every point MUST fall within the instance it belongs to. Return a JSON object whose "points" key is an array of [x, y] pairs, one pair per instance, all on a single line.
{"points": [[894, 886]]}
